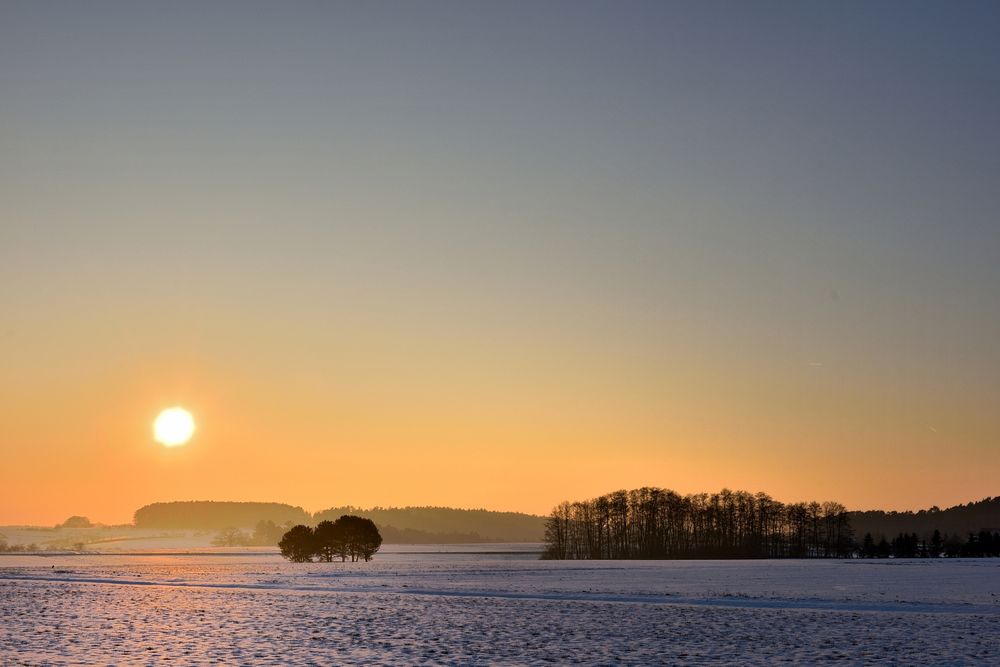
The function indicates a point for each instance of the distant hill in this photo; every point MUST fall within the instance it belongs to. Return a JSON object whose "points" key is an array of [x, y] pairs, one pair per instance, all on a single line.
{"points": [[446, 522], [212, 515], [391, 535], [399, 525], [958, 520]]}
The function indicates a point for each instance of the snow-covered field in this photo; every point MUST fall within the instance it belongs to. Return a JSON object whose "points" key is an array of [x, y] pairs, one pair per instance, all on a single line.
{"points": [[470, 606]]}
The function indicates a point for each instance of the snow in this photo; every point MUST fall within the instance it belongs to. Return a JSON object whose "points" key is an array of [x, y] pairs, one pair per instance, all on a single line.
{"points": [[472, 605]]}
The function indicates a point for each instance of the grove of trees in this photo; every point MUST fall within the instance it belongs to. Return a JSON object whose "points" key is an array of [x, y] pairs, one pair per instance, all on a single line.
{"points": [[659, 523], [351, 537]]}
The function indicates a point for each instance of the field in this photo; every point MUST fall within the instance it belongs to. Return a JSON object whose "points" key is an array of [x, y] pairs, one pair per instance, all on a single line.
{"points": [[472, 605], [106, 539]]}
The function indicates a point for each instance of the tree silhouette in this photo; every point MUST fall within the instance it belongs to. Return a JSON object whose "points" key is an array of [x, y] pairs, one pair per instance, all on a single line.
{"points": [[358, 537], [883, 549], [868, 546], [331, 541], [298, 544], [367, 538], [937, 544]]}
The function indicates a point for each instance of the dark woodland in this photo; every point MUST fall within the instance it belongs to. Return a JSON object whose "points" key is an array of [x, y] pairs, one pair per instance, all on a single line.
{"points": [[958, 521], [657, 523]]}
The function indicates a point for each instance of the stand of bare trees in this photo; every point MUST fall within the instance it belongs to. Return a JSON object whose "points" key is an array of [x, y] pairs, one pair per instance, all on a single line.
{"points": [[658, 523]]}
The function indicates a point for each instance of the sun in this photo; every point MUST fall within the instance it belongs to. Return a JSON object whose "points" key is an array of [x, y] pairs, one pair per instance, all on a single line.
{"points": [[173, 427]]}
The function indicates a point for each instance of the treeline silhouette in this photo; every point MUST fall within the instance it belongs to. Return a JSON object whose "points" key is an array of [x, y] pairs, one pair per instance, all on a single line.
{"points": [[984, 544], [958, 521], [215, 515], [659, 523]]}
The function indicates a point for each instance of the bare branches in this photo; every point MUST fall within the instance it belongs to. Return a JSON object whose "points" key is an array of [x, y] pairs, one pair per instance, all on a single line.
{"points": [[658, 523]]}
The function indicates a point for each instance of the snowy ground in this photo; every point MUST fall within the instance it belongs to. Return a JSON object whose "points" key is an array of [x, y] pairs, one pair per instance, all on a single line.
{"points": [[415, 606]]}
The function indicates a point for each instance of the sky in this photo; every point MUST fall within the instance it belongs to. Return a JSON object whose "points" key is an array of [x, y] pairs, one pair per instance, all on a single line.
{"points": [[498, 255]]}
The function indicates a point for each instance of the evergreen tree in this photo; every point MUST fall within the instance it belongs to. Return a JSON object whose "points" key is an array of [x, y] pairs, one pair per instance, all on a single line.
{"points": [[936, 543], [883, 549], [868, 546]]}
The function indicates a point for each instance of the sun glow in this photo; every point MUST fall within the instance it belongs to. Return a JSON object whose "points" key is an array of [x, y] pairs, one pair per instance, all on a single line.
{"points": [[173, 427]]}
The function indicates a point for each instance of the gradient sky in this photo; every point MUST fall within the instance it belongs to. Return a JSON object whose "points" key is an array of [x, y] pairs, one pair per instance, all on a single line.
{"points": [[498, 255]]}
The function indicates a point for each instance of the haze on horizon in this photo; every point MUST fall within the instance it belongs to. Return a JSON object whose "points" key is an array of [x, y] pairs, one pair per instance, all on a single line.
{"points": [[498, 255]]}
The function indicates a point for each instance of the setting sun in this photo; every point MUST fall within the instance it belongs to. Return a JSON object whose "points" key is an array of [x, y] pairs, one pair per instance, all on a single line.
{"points": [[173, 427]]}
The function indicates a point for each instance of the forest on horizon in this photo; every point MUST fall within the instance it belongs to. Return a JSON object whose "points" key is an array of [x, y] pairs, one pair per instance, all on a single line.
{"points": [[416, 525], [657, 523], [443, 525], [406, 525]]}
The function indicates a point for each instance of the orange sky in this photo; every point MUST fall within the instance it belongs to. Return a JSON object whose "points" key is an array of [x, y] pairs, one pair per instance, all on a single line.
{"points": [[457, 428], [496, 256]]}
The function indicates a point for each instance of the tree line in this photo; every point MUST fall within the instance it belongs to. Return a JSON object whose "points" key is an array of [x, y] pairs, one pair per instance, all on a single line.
{"points": [[984, 544], [958, 521], [659, 523], [351, 537]]}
